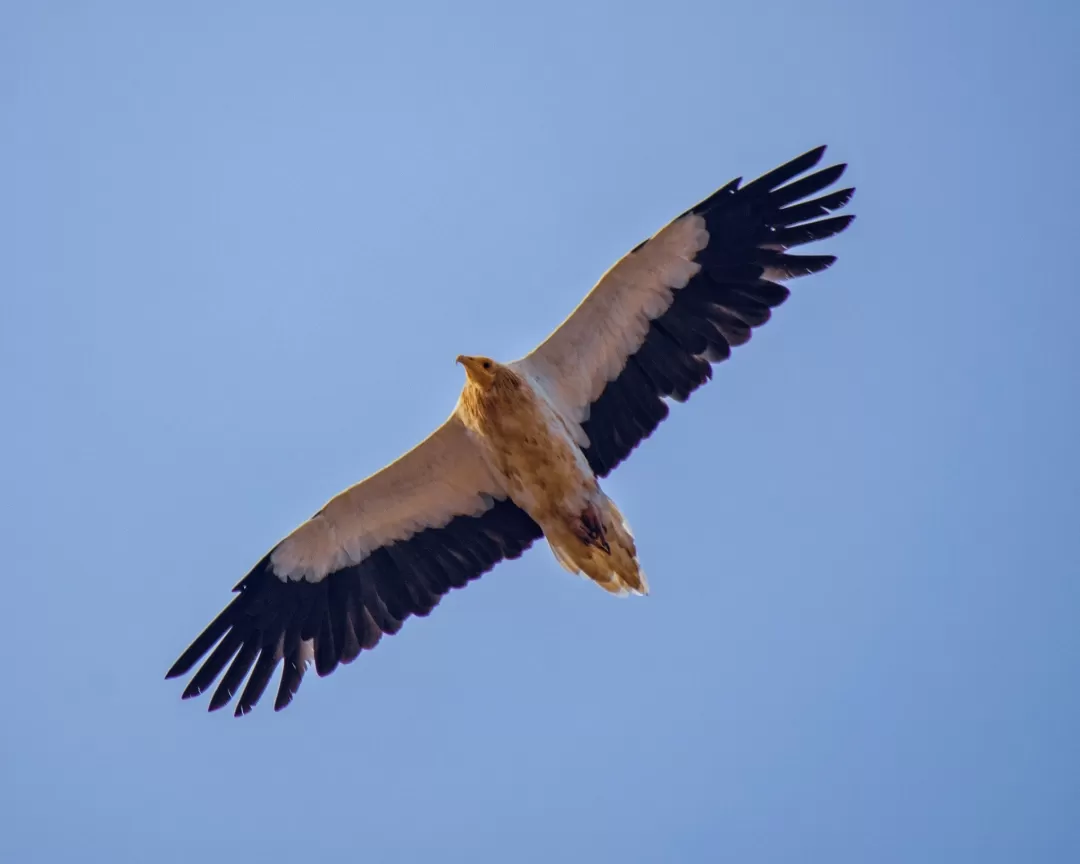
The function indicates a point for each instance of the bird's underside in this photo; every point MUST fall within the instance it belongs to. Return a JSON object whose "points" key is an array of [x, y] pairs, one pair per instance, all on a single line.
{"points": [[528, 444], [523, 452]]}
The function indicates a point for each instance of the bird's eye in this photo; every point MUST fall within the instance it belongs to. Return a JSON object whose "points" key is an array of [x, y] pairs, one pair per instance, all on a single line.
{"points": [[487, 364]]}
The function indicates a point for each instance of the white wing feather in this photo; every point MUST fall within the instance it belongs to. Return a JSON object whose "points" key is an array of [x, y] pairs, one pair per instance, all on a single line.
{"points": [[444, 476], [590, 347]]}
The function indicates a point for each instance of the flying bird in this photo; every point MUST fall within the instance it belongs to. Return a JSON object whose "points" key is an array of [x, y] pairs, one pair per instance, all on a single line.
{"points": [[522, 455]]}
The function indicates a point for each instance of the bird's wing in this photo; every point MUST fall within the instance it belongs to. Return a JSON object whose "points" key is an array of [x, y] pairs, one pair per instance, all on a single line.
{"points": [[654, 324], [387, 548]]}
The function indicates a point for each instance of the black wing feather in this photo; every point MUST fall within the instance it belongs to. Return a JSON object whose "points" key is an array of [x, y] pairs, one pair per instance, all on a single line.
{"points": [[260, 677]]}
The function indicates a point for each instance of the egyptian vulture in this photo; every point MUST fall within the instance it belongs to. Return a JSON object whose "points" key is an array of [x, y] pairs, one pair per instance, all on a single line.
{"points": [[521, 455]]}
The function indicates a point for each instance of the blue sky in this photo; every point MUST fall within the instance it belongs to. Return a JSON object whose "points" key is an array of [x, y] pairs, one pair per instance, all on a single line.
{"points": [[241, 250]]}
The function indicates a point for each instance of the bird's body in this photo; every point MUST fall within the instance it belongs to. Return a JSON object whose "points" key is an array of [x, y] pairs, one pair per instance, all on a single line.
{"points": [[531, 448], [522, 455]]}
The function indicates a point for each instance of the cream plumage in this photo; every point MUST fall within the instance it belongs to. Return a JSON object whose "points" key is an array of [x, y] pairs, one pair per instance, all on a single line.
{"points": [[522, 454]]}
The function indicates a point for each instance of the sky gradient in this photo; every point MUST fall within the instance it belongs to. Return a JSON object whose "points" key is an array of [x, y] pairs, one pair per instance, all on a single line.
{"points": [[241, 249]]}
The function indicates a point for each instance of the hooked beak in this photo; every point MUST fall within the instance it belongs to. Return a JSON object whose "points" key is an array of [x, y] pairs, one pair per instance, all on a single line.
{"points": [[474, 370]]}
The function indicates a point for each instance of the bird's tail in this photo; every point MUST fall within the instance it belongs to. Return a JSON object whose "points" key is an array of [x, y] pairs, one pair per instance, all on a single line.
{"points": [[599, 544]]}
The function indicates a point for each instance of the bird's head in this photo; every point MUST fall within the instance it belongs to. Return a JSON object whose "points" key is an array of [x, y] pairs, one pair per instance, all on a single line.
{"points": [[481, 371]]}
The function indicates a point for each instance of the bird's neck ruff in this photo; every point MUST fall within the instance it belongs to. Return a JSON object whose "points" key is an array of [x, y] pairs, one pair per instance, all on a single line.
{"points": [[481, 405]]}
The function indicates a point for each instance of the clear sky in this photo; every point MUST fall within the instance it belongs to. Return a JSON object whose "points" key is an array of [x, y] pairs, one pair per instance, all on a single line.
{"points": [[240, 251]]}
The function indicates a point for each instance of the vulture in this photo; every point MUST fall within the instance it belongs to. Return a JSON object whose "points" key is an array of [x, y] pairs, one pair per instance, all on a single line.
{"points": [[522, 455]]}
